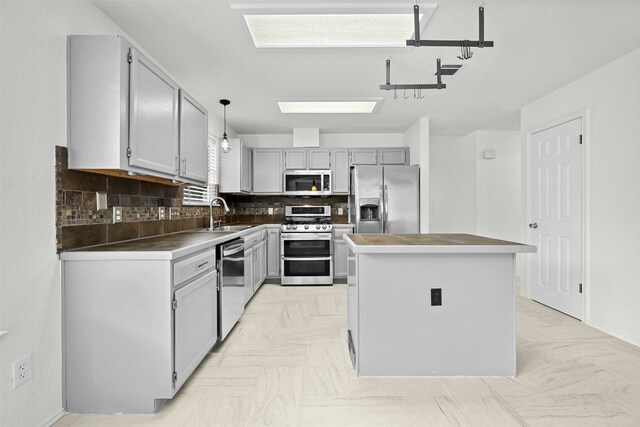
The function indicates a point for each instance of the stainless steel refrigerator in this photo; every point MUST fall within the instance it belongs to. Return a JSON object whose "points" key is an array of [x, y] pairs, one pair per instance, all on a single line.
{"points": [[385, 199]]}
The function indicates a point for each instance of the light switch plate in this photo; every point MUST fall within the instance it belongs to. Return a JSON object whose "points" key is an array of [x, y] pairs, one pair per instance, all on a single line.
{"points": [[174, 213], [340, 211], [270, 211], [117, 214], [161, 214], [101, 200]]}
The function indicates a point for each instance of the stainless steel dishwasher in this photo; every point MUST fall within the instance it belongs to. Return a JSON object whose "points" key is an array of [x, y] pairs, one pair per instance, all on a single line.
{"points": [[231, 297]]}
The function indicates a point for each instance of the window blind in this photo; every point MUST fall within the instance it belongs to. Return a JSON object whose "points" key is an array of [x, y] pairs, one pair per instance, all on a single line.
{"points": [[196, 195]]}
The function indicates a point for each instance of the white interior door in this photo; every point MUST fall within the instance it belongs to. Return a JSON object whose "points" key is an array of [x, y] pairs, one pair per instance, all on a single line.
{"points": [[556, 217]]}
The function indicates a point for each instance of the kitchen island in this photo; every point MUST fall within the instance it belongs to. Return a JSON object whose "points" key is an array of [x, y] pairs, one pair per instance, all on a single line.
{"points": [[432, 304]]}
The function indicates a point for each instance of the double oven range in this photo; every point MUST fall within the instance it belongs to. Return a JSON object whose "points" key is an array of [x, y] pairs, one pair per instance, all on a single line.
{"points": [[306, 246]]}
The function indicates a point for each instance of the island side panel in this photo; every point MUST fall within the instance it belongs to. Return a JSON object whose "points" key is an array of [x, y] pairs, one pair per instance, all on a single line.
{"points": [[117, 337], [352, 305], [471, 334]]}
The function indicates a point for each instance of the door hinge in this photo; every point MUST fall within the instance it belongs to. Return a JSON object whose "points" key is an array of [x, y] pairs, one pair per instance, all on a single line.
{"points": [[130, 57], [580, 139], [175, 376], [128, 152], [174, 304], [579, 287]]}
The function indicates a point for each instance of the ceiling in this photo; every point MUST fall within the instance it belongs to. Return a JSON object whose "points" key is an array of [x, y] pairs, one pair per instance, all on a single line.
{"points": [[540, 46]]}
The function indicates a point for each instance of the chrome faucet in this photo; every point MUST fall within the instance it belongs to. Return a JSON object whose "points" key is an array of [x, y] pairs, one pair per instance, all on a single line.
{"points": [[224, 205]]}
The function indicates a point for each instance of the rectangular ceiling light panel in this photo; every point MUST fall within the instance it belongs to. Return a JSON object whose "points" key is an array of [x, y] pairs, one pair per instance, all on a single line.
{"points": [[327, 107], [331, 25]]}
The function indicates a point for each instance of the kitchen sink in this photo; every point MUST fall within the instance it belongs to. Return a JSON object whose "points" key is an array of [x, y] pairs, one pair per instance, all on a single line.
{"points": [[228, 228]]}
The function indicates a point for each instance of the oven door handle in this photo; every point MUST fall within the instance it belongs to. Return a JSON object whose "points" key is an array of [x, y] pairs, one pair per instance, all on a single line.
{"points": [[308, 237], [306, 259]]}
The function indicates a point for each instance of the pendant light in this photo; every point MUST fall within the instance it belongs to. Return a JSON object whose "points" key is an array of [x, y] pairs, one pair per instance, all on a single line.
{"points": [[224, 142]]}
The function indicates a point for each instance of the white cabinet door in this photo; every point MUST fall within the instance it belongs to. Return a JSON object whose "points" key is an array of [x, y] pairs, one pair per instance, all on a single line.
{"points": [[153, 117], [340, 259], [245, 170], [195, 324], [248, 275], [364, 156], [267, 170], [273, 252], [319, 159], [340, 171], [194, 162], [340, 250], [295, 158], [393, 156]]}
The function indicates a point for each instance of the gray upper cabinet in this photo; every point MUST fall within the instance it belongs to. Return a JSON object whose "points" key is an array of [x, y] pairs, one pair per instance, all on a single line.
{"points": [[307, 158], [267, 170], [364, 156], [393, 156], [153, 123], [235, 168], [295, 158], [319, 159], [340, 170], [124, 113], [194, 162], [246, 171]]}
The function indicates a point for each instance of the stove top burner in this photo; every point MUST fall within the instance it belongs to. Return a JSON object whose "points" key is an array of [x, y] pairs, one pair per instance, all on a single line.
{"points": [[307, 219]]}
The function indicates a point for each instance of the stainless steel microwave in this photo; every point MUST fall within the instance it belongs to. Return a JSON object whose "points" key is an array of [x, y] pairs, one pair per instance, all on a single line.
{"points": [[307, 182]]}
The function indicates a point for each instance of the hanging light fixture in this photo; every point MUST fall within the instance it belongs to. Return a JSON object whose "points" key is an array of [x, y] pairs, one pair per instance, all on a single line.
{"points": [[224, 142]]}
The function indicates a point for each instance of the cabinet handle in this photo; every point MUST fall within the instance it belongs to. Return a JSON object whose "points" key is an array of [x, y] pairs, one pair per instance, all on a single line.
{"points": [[176, 165], [184, 166], [202, 265], [534, 225]]}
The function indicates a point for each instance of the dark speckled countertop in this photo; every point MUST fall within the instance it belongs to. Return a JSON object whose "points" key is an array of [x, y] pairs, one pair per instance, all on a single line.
{"points": [[431, 243]]}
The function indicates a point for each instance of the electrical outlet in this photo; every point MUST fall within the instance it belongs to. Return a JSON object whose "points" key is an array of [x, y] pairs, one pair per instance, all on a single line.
{"points": [[270, 211], [117, 214], [174, 213], [161, 213], [340, 211], [22, 371], [436, 296]]}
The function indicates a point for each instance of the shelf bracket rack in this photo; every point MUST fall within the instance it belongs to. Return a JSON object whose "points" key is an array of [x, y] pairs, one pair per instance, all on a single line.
{"points": [[389, 86], [481, 42]]}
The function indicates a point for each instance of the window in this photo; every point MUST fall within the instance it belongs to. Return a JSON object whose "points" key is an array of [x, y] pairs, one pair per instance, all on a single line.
{"points": [[195, 195]]}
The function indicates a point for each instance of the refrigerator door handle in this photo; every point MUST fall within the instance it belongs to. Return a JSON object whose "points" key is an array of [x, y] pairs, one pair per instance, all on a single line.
{"points": [[386, 211], [382, 209]]}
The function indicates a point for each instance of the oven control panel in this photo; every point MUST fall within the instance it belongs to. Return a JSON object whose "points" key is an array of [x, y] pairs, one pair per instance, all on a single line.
{"points": [[308, 228]]}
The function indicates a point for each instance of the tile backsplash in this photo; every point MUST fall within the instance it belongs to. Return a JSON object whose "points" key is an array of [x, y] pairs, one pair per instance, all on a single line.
{"points": [[79, 223]]}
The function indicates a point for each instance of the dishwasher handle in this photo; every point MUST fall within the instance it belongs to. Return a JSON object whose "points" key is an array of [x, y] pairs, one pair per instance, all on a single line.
{"points": [[233, 248]]}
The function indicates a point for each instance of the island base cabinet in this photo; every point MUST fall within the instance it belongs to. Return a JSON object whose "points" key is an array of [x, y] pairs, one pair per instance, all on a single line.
{"points": [[398, 332]]}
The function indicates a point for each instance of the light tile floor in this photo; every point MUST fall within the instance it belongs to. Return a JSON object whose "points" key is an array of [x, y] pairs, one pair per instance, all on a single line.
{"points": [[286, 364]]}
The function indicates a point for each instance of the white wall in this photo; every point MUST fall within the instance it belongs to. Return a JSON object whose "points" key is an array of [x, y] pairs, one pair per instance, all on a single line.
{"points": [[498, 185], [452, 170], [612, 152], [33, 121], [328, 140], [417, 138]]}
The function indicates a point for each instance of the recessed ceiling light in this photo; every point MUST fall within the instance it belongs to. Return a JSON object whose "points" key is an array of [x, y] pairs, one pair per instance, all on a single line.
{"points": [[327, 107], [332, 25]]}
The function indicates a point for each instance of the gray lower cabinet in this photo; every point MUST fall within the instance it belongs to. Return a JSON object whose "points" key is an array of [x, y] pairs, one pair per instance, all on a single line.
{"points": [[134, 328], [340, 250], [267, 170], [249, 273], [273, 251], [340, 170]]}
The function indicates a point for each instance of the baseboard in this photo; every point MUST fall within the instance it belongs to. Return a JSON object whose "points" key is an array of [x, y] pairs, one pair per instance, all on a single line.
{"points": [[61, 413], [612, 333]]}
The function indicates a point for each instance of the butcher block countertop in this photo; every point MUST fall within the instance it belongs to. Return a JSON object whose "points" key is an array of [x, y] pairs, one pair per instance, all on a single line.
{"points": [[432, 243]]}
